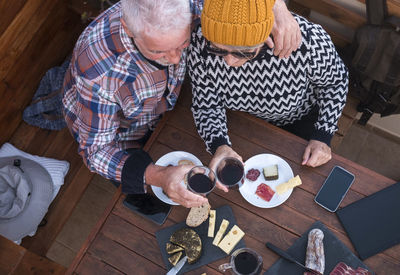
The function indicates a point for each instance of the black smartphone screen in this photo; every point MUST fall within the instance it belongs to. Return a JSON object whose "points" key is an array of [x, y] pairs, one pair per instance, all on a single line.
{"points": [[148, 206], [334, 188]]}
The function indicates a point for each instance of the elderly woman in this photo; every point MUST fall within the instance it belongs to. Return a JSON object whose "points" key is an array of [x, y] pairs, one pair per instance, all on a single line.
{"points": [[231, 67]]}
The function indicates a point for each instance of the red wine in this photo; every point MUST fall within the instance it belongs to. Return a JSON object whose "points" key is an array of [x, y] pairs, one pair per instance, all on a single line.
{"points": [[246, 263], [200, 183], [230, 174]]}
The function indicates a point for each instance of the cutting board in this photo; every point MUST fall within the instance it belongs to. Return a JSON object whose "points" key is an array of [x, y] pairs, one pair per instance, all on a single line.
{"points": [[335, 252], [210, 252]]}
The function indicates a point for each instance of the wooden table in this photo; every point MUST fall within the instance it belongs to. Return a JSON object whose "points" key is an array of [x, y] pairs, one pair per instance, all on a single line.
{"points": [[124, 242]]}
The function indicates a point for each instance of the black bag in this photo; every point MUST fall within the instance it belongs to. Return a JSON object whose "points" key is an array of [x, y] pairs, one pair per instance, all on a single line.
{"points": [[375, 66]]}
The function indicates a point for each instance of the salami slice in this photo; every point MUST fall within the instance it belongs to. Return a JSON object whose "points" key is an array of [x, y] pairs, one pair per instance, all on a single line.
{"points": [[253, 174], [265, 192]]}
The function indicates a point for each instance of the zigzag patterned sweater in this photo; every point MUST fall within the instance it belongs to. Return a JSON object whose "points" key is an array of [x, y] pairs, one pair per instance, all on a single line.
{"points": [[279, 91]]}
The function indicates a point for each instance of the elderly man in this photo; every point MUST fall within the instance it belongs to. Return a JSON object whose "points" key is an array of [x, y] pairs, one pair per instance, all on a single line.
{"points": [[126, 71]]}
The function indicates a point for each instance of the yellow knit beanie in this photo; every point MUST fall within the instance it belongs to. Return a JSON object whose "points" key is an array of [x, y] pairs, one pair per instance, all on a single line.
{"points": [[237, 22]]}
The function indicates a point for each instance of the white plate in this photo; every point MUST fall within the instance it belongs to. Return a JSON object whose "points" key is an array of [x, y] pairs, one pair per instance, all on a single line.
{"points": [[172, 158], [248, 188]]}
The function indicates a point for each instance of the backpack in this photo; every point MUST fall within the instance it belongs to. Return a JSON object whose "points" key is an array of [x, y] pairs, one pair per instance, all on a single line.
{"points": [[375, 65]]}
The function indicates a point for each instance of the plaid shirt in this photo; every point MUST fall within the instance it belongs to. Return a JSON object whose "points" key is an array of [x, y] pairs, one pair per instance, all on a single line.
{"points": [[113, 95]]}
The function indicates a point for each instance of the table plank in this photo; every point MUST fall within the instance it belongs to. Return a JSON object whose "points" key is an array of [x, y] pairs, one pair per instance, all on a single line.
{"points": [[133, 238], [127, 261]]}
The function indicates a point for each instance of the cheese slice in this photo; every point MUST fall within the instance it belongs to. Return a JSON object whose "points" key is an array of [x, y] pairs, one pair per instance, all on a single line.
{"points": [[221, 231], [172, 248], [211, 225], [271, 172], [175, 258], [284, 187], [231, 239]]}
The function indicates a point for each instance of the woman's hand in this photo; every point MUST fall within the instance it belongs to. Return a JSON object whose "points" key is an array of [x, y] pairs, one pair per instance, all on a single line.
{"points": [[223, 151], [316, 153]]}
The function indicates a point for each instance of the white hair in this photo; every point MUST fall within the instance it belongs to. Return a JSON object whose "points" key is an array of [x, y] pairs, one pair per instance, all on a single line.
{"points": [[160, 16]]}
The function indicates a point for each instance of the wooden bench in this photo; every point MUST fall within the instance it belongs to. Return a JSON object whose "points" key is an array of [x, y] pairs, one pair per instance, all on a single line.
{"points": [[340, 19], [36, 35]]}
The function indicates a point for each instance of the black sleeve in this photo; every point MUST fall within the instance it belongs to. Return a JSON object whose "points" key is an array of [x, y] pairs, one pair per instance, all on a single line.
{"points": [[133, 172]]}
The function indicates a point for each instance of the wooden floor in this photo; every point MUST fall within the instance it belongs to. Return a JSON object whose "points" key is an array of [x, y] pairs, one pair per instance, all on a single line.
{"points": [[36, 35], [82, 220]]}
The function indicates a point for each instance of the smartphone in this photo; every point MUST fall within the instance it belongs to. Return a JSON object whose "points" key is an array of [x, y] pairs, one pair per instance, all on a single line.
{"points": [[334, 188], [148, 206]]}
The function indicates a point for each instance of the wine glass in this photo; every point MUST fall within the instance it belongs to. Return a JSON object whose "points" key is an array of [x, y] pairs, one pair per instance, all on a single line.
{"points": [[200, 180], [230, 171], [244, 261]]}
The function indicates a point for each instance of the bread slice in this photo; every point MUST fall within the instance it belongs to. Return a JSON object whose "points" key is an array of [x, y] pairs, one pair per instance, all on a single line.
{"points": [[185, 161], [197, 215]]}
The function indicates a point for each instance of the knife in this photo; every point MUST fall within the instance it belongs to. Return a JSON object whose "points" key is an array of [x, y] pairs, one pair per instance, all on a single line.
{"points": [[288, 257], [174, 270]]}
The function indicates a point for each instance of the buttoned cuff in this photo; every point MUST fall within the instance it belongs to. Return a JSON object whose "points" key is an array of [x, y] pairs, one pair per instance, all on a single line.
{"points": [[132, 179]]}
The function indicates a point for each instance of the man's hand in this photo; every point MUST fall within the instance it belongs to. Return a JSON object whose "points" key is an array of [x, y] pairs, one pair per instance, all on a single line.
{"points": [[169, 179], [316, 153], [286, 31], [222, 152]]}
